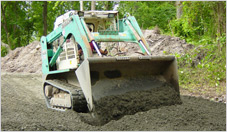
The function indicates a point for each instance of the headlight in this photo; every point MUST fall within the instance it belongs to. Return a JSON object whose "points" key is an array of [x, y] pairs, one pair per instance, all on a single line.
{"points": [[80, 13], [111, 15]]}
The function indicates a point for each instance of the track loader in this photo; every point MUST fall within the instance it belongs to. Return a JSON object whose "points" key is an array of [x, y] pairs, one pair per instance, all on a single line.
{"points": [[78, 82]]}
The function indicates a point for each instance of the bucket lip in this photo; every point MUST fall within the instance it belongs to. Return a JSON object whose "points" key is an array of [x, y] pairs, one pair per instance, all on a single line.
{"points": [[131, 58]]}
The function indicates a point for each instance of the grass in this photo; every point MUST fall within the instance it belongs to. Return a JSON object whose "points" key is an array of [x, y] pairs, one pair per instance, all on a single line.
{"points": [[202, 70], [195, 81]]}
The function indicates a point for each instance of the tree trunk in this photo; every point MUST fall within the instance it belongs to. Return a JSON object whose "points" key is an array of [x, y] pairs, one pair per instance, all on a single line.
{"points": [[179, 9], [221, 18], [15, 11], [14, 33], [45, 18], [221, 21], [5, 26], [107, 5], [93, 5], [81, 6]]}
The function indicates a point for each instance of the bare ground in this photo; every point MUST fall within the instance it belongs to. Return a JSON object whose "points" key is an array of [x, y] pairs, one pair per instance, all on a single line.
{"points": [[24, 108]]}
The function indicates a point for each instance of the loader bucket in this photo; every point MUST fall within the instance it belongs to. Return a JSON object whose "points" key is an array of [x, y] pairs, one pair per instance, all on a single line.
{"points": [[125, 85]]}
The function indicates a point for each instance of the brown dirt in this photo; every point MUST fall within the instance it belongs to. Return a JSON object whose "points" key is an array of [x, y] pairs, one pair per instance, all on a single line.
{"points": [[23, 108], [23, 59], [28, 58], [159, 45], [114, 98], [115, 107]]}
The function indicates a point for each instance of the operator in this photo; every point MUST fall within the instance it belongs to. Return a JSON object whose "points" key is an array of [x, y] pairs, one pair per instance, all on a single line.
{"points": [[80, 52]]}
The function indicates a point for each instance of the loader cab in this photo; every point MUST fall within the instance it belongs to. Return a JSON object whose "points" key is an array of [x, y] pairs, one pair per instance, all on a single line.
{"points": [[103, 22]]}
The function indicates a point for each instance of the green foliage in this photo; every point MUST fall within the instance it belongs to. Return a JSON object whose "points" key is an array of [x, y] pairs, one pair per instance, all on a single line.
{"points": [[149, 13], [4, 51], [17, 23], [105, 5], [24, 19], [200, 20], [204, 66]]}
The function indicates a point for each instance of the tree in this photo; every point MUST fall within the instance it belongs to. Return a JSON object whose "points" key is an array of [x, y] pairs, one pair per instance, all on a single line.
{"points": [[201, 20], [149, 13], [45, 18], [105, 5], [15, 23], [221, 21], [3, 8], [179, 9], [93, 5]]}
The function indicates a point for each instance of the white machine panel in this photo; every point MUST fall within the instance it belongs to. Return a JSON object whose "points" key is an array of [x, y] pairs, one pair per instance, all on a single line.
{"points": [[68, 59]]}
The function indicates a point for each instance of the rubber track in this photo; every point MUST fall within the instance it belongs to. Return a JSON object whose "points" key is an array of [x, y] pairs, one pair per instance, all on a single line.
{"points": [[79, 102]]}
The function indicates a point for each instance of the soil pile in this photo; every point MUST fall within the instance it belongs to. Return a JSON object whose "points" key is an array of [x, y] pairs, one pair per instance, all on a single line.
{"points": [[116, 106], [23, 108], [28, 59], [23, 59], [159, 45]]}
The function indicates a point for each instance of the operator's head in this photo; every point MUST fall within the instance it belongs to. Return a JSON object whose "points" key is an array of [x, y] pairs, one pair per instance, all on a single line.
{"points": [[90, 29]]}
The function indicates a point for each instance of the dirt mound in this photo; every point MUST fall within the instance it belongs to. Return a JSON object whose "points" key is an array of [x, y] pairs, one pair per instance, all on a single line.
{"points": [[23, 108], [23, 59], [116, 106], [159, 45], [28, 59], [163, 45]]}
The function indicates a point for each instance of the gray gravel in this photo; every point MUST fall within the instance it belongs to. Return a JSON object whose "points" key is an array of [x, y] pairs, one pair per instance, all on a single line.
{"points": [[24, 108]]}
